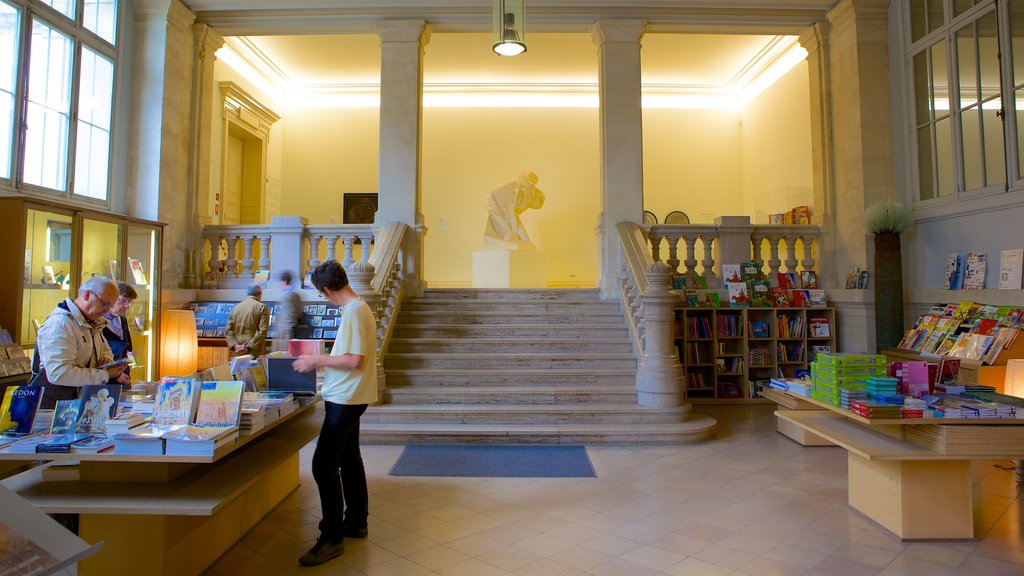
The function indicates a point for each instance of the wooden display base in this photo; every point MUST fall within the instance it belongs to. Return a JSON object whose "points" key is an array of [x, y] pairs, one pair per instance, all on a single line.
{"points": [[914, 499], [801, 436]]}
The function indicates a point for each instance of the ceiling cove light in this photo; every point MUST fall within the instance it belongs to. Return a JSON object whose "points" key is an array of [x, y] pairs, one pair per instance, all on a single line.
{"points": [[509, 27]]}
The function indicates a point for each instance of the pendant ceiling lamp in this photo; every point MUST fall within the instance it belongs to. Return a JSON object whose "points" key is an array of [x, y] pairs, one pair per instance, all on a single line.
{"points": [[509, 27]]}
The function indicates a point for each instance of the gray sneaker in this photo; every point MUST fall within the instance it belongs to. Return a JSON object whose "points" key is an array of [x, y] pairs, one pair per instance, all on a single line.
{"points": [[321, 552]]}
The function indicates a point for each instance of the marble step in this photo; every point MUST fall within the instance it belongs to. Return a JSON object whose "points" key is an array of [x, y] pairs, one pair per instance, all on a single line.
{"points": [[510, 331], [465, 305], [590, 395], [509, 361], [524, 414], [509, 345], [502, 317], [512, 294], [543, 377], [696, 428]]}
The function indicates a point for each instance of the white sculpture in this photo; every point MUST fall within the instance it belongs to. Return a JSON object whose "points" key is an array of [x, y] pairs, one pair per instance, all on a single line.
{"points": [[505, 203]]}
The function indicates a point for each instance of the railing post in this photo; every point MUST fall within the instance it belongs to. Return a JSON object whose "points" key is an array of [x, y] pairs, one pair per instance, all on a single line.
{"points": [[350, 242], [733, 239], [773, 258], [808, 260], [263, 242], [659, 377], [709, 261], [791, 260], [314, 250], [247, 261], [286, 246], [232, 262]]}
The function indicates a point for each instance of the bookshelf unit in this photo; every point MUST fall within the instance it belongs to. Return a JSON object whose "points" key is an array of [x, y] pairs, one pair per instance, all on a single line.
{"points": [[725, 352]]}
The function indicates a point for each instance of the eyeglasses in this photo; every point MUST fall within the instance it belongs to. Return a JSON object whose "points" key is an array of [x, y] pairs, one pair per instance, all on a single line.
{"points": [[104, 305]]}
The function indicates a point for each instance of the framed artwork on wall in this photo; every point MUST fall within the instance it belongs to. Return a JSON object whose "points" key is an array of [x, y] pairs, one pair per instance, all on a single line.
{"points": [[359, 208]]}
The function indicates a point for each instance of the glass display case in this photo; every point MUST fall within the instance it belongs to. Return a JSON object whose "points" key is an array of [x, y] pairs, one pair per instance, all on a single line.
{"points": [[53, 248]]}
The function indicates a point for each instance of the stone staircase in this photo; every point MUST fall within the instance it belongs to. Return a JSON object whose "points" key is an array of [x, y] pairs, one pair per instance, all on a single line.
{"points": [[517, 367]]}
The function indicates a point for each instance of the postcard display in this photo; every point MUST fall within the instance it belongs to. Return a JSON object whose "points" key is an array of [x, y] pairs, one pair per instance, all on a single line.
{"points": [[318, 321], [726, 352]]}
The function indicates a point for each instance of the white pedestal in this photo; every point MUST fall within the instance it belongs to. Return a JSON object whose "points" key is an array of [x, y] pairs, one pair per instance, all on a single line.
{"points": [[509, 269]]}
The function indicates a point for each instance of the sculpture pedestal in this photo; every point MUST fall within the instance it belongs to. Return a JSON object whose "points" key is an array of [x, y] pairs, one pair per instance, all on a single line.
{"points": [[509, 269]]}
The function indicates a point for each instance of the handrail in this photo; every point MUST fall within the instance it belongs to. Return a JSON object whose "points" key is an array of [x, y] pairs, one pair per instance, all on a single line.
{"points": [[637, 259]]}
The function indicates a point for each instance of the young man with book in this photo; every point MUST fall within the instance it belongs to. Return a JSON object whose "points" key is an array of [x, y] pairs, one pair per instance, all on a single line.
{"points": [[350, 384]]}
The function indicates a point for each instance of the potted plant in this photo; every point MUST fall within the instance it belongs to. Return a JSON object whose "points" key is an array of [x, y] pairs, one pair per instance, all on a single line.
{"points": [[886, 220]]}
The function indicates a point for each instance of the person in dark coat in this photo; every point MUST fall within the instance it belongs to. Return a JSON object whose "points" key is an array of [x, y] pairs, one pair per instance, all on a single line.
{"points": [[116, 331]]}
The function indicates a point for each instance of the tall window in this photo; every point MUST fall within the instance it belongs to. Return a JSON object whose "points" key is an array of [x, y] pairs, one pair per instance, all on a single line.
{"points": [[966, 59], [57, 67]]}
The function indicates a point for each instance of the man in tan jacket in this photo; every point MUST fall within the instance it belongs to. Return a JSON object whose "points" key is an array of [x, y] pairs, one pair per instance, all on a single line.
{"points": [[247, 325]]}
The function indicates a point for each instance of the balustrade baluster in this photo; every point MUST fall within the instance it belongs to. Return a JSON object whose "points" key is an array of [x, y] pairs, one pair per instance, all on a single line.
{"points": [[247, 261], [350, 242], [656, 246], [214, 262], [755, 248], [367, 242], [791, 261], [232, 262], [314, 250], [264, 246], [808, 261], [773, 256], [332, 241], [673, 260], [709, 262], [691, 256]]}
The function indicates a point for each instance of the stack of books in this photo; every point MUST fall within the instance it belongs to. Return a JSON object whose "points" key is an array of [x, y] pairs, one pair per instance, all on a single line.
{"points": [[124, 422], [884, 389], [871, 409], [832, 372], [28, 444], [44, 419], [60, 443], [142, 441], [93, 445], [199, 440], [846, 395], [252, 419]]}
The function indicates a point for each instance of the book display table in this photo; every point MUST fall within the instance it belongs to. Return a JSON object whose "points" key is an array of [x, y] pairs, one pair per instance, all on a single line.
{"points": [[170, 515], [916, 492]]}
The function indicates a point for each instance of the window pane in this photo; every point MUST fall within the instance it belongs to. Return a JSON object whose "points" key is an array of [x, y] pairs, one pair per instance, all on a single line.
{"points": [[925, 16], [988, 55], [944, 155], [92, 152], [967, 60], [922, 88], [49, 103], [961, 6], [972, 151], [100, 16], [1017, 40], [9, 24], [940, 78], [994, 150], [65, 7], [925, 166], [1019, 108]]}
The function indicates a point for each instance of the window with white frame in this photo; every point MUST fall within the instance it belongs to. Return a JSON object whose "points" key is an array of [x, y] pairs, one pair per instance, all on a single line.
{"points": [[57, 65], [966, 62]]}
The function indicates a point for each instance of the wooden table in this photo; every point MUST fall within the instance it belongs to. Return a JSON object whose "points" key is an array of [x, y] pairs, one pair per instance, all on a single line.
{"points": [[171, 515], [911, 490]]}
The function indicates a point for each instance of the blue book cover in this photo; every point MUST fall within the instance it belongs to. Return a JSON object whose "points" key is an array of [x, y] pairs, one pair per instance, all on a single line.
{"points": [[60, 443], [97, 405], [65, 415], [18, 409]]}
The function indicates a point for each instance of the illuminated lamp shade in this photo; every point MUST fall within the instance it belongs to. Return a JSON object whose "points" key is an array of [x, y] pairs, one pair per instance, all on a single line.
{"points": [[179, 343], [1014, 383], [509, 25]]}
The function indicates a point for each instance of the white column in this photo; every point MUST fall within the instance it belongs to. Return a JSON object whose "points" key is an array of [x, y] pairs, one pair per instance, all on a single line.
{"points": [[286, 246], [622, 178], [401, 108]]}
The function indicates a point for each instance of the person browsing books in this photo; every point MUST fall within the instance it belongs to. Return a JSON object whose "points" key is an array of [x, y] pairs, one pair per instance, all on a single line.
{"points": [[288, 316], [350, 384], [247, 325], [70, 347], [116, 332]]}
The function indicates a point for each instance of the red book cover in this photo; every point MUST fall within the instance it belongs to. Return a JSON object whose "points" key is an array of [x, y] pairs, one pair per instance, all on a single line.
{"points": [[780, 297]]}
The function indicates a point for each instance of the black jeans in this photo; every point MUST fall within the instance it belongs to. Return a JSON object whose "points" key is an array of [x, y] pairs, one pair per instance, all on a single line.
{"points": [[338, 471]]}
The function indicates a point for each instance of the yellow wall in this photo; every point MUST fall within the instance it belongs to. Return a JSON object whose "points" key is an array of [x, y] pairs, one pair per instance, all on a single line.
{"points": [[776, 148], [690, 163]]}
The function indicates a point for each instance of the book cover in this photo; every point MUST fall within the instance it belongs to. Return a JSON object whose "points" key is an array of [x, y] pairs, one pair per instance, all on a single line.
{"points": [[697, 282], [712, 299], [19, 408], [760, 293], [138, 273], [1011, 263], [816, 298], [691, 298], [780, 297], [852, 274], [808, 279], [759, 329], [799, 298], [220, 403], [974, 270], [819, 327], [21, 555], [678, 282], [952, 271], [738, 297], [98, 403], [65, 415], [176, 401], [731, 273], [198, 433], [60, 443], [261, 277], [750, 270], [785, 280]]}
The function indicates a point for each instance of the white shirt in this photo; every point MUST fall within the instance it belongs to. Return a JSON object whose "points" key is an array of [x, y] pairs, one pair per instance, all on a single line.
{"points": [[356, 335]]}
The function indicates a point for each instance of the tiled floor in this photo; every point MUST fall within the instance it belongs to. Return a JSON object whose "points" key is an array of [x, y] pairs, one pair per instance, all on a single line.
{"points": [[748, 502]]}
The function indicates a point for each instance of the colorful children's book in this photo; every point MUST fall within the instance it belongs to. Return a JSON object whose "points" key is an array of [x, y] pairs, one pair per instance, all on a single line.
{"points": [[697, 282], [799, 299], [176, 401], [731, 273], [954, 271], [220, 403], [760, 293], [780, 297], [974, 270], [712, 299], [785, 280], [19, 408], [819, 327], [691, 298], [808, 279], [98, 403], [678, 282], [751, 270], [65, 415], [816, 298], [738, 296]]}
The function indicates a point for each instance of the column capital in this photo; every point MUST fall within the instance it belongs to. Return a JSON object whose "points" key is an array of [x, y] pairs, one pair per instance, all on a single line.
{"points": [[402, 31], [605, 31], [859, 10], [207, 40], [179, 15], [814, 38]]}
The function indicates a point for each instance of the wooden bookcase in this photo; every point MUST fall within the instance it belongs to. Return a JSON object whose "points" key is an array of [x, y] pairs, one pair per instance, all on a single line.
{"points": [[723, 355]]}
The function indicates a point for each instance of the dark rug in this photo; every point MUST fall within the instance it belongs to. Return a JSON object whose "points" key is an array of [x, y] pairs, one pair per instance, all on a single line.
{"points": [[494, 461]]}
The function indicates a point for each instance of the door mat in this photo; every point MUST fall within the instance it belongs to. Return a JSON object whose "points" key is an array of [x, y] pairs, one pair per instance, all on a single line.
{"points": [[494, 461]]}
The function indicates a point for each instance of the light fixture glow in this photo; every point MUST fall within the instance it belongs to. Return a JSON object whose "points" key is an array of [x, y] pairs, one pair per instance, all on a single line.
{"points": [[509, 27]]}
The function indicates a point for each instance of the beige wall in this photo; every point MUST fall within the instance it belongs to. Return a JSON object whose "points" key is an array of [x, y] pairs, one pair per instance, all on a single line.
{"points": [[776, 148]]}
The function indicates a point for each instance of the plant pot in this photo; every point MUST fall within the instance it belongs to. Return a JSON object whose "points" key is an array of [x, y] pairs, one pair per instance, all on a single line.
{"points": [[888, 290]]}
